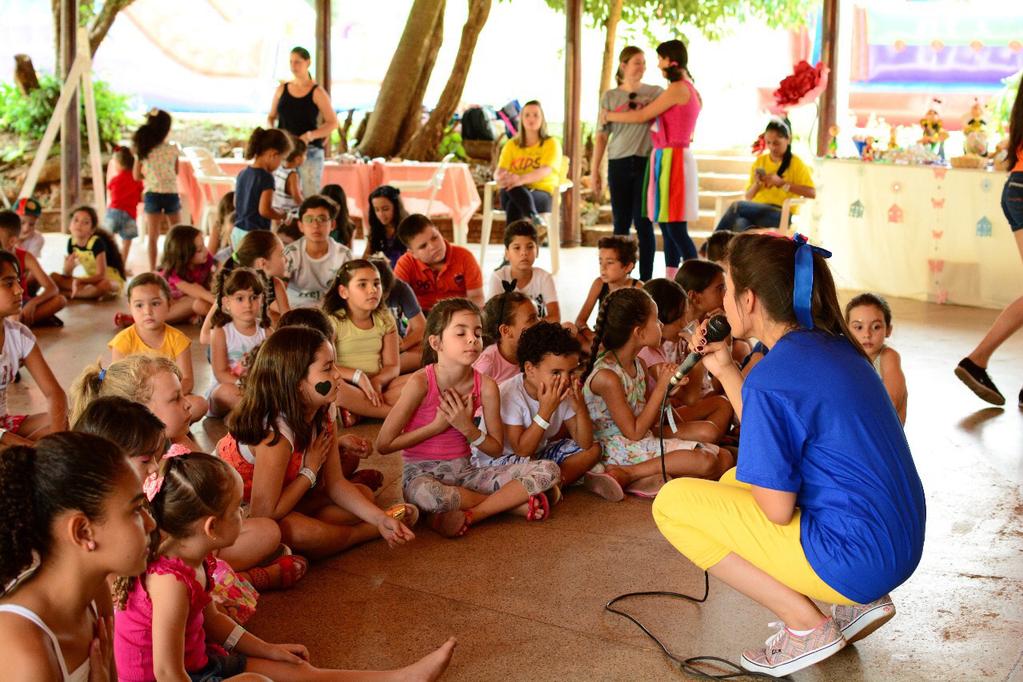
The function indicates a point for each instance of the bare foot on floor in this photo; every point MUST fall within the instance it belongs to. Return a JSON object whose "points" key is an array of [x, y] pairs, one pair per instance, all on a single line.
{"points": [[619, 474], [429, 667], [450, 524]]}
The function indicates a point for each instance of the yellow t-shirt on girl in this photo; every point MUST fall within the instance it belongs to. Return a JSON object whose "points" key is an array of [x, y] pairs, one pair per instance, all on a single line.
{"points": [[796, 174], [362, 348], [522, 160]]}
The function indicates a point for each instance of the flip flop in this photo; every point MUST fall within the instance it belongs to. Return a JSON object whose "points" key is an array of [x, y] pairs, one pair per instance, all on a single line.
{"points": [[646, 487], [536, 504], [407, 513], [604, 485], [293, 568], [556, 495], [348, 419], [452, 524]]}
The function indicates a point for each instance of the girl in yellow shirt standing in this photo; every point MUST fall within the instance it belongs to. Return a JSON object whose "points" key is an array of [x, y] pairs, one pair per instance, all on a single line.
{"points": [[527, 172], [774, 177]]}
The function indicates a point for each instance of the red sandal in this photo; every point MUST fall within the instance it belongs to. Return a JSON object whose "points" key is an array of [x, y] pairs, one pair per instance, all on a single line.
{"points": [[445, 523], [536, 504], [292, 569], [371, 478]]}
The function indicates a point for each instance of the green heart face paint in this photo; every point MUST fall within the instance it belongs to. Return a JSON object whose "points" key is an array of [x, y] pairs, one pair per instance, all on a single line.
{"points": [[323, 388]]}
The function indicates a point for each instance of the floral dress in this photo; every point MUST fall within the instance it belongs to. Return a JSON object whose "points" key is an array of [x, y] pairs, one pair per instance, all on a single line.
{"points": [[617, 449]]}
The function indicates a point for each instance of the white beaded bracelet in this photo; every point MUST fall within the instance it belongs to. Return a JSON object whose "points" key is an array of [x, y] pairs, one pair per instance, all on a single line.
{"points": [[308, 473]]}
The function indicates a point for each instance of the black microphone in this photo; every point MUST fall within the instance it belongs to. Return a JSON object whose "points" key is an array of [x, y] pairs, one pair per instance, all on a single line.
{"points": [[718, 329]]}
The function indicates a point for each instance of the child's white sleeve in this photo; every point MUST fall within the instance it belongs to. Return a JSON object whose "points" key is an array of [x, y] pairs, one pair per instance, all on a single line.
{"points": [[550, 293]]}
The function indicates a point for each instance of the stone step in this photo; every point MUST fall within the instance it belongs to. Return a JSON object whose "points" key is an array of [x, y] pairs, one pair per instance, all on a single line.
{"points": [[723, 163], [699, 232], [723, 182]]}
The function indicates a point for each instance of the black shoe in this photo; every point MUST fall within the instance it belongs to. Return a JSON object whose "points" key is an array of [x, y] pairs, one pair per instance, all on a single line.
{"points": [[976, 378], [1021, 397]]}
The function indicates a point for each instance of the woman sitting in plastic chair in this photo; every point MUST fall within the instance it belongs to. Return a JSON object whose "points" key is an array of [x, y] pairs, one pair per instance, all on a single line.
{"points": [[527, 172], [777, 176]]}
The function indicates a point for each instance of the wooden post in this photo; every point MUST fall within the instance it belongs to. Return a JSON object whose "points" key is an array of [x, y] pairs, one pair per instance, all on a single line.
{"points": [[70, 134], [323, 11], [570, 230], [99, 199], [829, 55]]}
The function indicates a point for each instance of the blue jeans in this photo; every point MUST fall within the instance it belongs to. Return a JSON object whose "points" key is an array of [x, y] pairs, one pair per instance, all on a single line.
{"points": [[522, 202], [1012, 201], [743, 215], [311, 171], [678, 245], [625, 183]]}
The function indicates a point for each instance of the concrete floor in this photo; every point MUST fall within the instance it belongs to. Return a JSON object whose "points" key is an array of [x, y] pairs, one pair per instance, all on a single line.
{"points": [[526, 600]]}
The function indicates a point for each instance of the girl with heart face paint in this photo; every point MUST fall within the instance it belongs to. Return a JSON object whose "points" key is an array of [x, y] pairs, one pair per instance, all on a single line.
{"points": [[283, 441]]}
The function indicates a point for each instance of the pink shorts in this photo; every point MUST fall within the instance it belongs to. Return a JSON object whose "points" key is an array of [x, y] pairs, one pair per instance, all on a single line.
{"points": [[12, 422]]}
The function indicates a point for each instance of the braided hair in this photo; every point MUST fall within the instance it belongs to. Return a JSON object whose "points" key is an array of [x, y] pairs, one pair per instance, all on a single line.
{"points": [[622, 312]]}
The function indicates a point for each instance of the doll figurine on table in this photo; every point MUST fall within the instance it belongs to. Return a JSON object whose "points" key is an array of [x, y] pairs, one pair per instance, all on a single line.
{"points": [[934, 134], [868, 150], [833, 142], [973, 130]]}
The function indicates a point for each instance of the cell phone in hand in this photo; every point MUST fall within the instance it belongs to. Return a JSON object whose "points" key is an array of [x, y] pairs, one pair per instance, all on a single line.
{"points": [[760, 172]]}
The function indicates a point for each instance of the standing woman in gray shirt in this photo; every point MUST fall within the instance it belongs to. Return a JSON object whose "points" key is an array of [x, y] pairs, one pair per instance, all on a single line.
{"points": [[628, 149]]}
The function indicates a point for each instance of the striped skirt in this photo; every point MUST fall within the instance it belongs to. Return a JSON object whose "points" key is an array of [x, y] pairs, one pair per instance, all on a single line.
{"points": [[670, 187]]}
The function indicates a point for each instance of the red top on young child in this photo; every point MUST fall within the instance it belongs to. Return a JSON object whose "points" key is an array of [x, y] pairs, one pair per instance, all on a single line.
{"points": [[125, 193]]}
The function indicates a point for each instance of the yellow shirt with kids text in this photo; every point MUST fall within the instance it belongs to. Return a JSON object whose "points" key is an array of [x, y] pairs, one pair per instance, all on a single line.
{"points": [[522, 160], [796, 174]]}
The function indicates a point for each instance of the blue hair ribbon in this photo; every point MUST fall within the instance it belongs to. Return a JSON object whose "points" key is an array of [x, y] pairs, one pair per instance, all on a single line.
{"points": [[102, 374], [802, 288]]}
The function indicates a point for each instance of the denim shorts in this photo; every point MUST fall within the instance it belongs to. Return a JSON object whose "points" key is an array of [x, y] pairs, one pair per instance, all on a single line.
{"points": [[158, 202], [1012, 201], [219, 668], [121, 224]]}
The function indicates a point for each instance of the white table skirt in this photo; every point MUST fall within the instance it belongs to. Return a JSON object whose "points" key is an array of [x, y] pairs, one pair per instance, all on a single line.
{"points": [[931, 234]]}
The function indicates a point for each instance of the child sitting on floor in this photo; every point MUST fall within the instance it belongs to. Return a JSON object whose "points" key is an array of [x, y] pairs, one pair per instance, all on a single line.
{"points": [[385, 214], [435, 268], [282, 441], [521, 246], [504, 318], [41, 308], [287, 185], [219, 240], [617, 256], [149, 300], [56, 620], [95, 250], [432, 425], [544, 414], [699, 418], [353, 448], [366, 342], [18, 348], [311, 263], [149, 380], [239, 324], [704, 284], [124, 195], [714, 248], [29, 210], [165, 617], [402, 303], [188, 268], [870, 318], [625, 412]]}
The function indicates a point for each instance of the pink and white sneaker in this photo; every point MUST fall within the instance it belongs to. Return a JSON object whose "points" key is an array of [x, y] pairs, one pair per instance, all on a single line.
{"points": [[785, 653], [859, 620]]}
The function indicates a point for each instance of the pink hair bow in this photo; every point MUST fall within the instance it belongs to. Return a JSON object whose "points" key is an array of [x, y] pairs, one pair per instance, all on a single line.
{"points": [[154, 483]]}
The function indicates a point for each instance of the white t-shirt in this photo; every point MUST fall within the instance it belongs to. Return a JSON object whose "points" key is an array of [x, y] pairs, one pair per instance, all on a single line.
{"points": [[282, 201], [33, 244], [18, 343], [309, 278], [518, 409], [540, 288]]}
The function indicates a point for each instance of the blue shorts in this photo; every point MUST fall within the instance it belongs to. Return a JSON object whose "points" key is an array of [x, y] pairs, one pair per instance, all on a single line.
{"points": [[219, 668], [1012, 201], [158, 202], [556, 451], [121, 224]]}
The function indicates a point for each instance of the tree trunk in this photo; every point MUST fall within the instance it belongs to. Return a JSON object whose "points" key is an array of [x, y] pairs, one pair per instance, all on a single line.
{"points": [[610, 31], [102, 23], [25, 74], [423, 145], [414, 117], [342, 130], [403, 74]]}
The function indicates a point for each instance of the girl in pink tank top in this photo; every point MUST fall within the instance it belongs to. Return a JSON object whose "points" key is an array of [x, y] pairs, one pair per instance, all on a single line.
{"points": [[433, 425]]}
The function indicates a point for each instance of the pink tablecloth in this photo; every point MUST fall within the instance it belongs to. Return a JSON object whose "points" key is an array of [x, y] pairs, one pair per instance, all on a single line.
{"points": [[458, 193]]}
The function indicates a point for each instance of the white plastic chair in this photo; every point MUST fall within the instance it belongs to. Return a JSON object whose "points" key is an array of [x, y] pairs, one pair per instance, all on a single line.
{"points": [[208, 174], [553, 220], [784, 223], [433, 184]]}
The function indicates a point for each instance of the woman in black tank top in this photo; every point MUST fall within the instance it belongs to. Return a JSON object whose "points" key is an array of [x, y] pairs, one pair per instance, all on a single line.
{"points": [[298, 107]]}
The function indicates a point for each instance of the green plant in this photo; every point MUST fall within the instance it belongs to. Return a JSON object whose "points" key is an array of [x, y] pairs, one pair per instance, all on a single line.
{"points": [[451, 143], [1001, 104], [28, 115]]}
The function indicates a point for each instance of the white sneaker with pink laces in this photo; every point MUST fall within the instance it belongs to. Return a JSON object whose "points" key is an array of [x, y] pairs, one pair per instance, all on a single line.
{"points": [[785, 653], [859, 620]]}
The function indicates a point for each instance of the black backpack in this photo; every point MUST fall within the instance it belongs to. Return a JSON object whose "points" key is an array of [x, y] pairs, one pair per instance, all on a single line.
{"points": [[476, 125]]}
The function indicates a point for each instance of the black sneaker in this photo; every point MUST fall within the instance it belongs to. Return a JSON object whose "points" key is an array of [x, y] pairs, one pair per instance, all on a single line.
{"points": [[976, 378]]}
